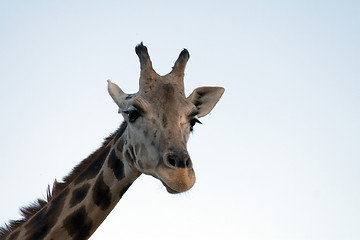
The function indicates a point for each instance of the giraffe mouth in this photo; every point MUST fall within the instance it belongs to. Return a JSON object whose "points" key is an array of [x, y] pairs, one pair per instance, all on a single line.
{"points": [[169, 189], [176, 180]]}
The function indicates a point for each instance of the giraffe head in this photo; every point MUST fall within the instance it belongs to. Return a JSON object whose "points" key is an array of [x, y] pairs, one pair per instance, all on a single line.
{"points": [[159, 120]]}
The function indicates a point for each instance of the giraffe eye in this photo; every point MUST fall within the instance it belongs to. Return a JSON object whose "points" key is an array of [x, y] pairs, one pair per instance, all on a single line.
{"points": [[193, 122], [133, 115]]}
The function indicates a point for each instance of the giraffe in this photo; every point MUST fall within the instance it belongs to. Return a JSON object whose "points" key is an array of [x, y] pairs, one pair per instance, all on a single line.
{"points": [[152, 140]]}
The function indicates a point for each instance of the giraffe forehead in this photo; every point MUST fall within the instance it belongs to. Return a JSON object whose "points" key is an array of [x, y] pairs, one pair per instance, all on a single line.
{"points": [[151, 82], [164, 98]]}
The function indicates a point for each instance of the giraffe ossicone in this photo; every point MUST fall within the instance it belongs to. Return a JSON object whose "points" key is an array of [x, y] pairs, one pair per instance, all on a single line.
{"points": [[152, 140]]}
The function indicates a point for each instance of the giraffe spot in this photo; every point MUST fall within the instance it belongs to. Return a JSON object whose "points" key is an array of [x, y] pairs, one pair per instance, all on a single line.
{"points": [[78, 224], [120, 145], [127, 156], [101, 193], [116, 165], [146, 132], [164, 121], [130, 154], [79, 194], [94, 168], [42, 222]]}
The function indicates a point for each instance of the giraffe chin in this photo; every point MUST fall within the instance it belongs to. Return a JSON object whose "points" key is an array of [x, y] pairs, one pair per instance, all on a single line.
{"points": [[177, 186], [175, 180], [169, 189]]}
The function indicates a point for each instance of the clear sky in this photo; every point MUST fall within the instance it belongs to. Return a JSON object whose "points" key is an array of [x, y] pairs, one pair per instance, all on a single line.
{"points": [[277, 159]]}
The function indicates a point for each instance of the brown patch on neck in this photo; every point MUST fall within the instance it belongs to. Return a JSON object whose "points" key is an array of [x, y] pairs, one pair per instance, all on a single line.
{"points": [[41, 223], [78, 224], [35, 207]]}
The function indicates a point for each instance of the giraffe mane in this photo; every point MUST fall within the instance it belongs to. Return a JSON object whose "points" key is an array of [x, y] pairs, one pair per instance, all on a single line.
{"points": [[34, 207]]}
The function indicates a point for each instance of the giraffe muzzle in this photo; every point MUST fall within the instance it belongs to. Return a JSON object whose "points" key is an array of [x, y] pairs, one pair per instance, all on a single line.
{"points": [[178, 160], [176, 172]]}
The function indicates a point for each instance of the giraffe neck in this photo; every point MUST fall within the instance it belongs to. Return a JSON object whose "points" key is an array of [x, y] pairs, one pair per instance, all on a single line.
{"points": [[79, 209]]}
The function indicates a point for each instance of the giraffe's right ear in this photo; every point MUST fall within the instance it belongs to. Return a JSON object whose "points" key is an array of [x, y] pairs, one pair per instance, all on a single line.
{"points": [[117, 94], [205, 99]]}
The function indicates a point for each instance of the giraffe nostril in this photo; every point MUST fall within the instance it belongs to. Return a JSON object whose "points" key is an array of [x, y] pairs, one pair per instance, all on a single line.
{"points": [[176, 161], [171, 161], [188, 162]]}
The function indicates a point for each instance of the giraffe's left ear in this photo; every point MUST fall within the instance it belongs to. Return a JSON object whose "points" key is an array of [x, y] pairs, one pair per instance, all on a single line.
{"points": [[117, 94], [205, 99]]}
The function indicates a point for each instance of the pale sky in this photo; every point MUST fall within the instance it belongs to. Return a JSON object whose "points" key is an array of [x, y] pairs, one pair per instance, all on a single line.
{"points": [[277, 159]]}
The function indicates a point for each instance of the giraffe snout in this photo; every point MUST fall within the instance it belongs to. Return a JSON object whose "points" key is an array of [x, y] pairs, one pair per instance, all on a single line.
{"points": [[176, 172], [178, 160]]}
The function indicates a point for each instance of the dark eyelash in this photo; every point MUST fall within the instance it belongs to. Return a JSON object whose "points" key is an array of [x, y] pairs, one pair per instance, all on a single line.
{"points": [[193, 122]]}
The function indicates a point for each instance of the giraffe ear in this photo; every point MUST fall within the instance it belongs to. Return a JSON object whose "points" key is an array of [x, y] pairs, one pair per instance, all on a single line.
{"points": [[205, 99], [117, 94]]}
